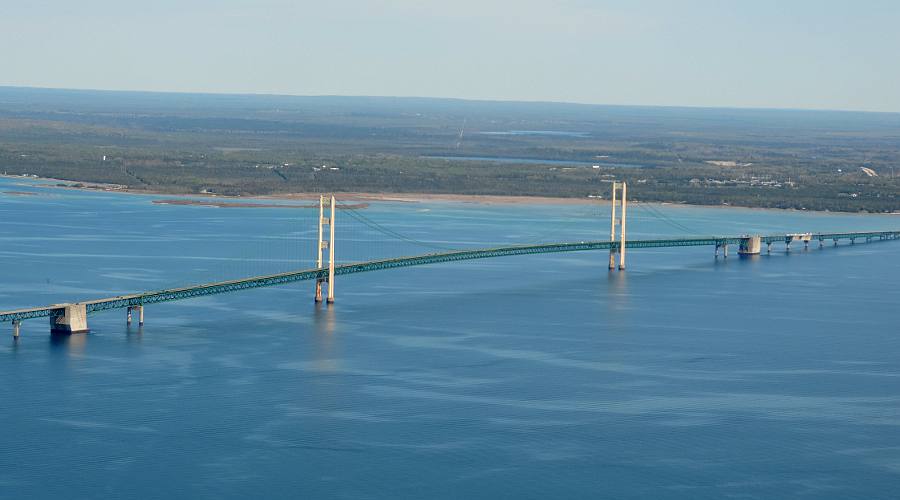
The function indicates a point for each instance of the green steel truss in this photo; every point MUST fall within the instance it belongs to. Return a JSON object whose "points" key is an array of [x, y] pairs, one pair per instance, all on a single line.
{"points": [[155, 297]]}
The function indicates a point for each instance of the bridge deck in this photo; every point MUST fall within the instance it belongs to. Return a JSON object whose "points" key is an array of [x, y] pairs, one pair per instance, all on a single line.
{"points": [[154, 297]]}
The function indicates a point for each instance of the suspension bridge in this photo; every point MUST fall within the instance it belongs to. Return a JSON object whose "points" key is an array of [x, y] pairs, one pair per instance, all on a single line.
{"points": [[67, 318]]}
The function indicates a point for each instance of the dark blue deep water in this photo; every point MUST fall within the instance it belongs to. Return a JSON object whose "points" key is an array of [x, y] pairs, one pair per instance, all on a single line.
{"points": [[523, 377]]}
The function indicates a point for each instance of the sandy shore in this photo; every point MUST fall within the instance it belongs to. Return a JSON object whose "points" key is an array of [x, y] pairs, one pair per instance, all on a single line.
{"points": [[245, 204], [363, 198], [311, 197], [427, 197]]}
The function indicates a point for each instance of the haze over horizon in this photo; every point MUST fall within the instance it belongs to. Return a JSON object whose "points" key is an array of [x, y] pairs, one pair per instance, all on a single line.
{"points": [[806, 55]]}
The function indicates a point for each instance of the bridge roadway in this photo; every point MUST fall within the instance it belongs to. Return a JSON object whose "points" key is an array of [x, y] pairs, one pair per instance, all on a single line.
{"points": [[155, 297]]}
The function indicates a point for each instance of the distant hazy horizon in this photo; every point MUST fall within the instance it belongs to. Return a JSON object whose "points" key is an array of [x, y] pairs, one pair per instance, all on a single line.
{"points": [[806, 54], [437, 98]]}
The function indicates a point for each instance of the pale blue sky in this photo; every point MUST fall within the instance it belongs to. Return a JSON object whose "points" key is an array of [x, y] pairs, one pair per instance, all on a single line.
{"points": [[752, 53]]}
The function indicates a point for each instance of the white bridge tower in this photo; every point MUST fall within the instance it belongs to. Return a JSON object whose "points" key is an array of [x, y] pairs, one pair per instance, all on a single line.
{"points": [[620, 223]]}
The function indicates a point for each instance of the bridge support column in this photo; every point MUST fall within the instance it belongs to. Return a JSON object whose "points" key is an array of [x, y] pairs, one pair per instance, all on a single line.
{"points": [[835, 242], [323, 244], [16, 324], [821, 243], [622, 228], [725, 250], [750, 245], [620, 222], [72, 320], [612, 230], [331, 256], [139, 310], [806, 244], [768, 247]]}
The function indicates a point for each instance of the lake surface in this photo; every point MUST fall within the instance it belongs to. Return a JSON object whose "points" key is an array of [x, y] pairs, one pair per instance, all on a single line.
{"points": [[520, 377]]}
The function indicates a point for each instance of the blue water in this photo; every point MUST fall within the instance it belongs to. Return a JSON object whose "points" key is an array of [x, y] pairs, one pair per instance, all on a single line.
{"points": [[522, 377]]}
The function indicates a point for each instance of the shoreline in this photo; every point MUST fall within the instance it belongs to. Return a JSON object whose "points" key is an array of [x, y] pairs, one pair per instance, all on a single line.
{"points": [[364, 197], [346, 196]]}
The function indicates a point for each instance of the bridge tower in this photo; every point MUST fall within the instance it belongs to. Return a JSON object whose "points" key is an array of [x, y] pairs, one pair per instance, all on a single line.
{"points": [[620, 248], [323, 244]]}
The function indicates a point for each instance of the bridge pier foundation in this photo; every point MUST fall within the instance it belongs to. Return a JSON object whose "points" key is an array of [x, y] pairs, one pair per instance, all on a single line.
{"points": [[73, 320], [16, 329], [750, 246], [821, 243], [769, 247], [318, 291], [140, 312]]}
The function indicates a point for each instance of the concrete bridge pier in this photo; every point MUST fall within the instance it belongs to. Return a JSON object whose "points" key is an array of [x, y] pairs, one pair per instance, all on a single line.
{"points": [[835, 242], [72, 320], [751, 245], [821, 243], [724, 246], [140, 311], [805, 244], [16, 329], [768, 247]]}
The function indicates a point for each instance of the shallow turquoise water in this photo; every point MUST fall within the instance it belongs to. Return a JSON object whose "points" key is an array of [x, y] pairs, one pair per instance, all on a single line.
{"points": [[523, 377]]}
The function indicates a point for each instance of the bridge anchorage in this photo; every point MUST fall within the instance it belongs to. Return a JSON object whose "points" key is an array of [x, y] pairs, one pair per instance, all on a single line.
{"points": [[71, 318]]}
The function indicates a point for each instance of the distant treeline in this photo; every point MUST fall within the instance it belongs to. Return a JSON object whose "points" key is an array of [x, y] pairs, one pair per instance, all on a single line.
{"points": [[250, 145]]}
